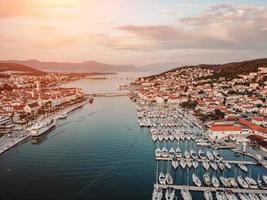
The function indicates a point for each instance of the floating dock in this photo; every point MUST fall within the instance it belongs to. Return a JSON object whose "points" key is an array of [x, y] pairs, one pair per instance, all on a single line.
{"points": [[213, 189]]}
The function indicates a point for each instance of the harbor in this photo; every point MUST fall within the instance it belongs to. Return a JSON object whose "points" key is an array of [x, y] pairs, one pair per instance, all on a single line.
{"points": [[183, 147]]}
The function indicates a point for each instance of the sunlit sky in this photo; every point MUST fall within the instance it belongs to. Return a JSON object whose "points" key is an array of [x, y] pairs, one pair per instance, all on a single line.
{"points": [[135, 32]]}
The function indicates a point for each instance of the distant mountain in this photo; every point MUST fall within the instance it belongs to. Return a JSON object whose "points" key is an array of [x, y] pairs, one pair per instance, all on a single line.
{"points": [[19, 68], [233, 69], [88, 66], [158, 67]]}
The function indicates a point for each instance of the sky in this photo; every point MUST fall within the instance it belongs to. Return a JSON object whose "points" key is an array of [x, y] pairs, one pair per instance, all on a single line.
{"points": [[137, 32]]}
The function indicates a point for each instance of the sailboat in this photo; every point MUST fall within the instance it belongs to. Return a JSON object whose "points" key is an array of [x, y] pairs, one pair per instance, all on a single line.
{"points": [[171, 153], [232, 182], [221, 166], [264, 178], [217, 155], [171, 137], [225, 182], [230, 195], [251, 182], [196, 180], [242, 182], [165, 152], [186, 154], [214, 165], [193, 154], [201, 154], [263, 196], [178, 152], [158, 152], [183, 163], [262, 184], [162, 179], [208, 195], [157, 193], [207, 179], [169, 194], [186, 194], [169, 179], [154, 137], [220, 195], [215, 182], [189, 163], [175, 162], [160, 137], [206, 165], [243, 167], [243, 196], [227, 165], [195, 164]]}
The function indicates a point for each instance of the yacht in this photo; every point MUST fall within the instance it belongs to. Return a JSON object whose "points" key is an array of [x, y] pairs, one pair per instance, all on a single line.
{"points": [[251, 182], [63, 115], [242, 182], [196, 180], [162, 179], [175, 162], [215, 182], [42, 127], [183, 163], [157, 193], [206, 165], [206, 179], [186, 194], [243, 167], [208, 195], [169, 194], [169, 179], [158, 152]]}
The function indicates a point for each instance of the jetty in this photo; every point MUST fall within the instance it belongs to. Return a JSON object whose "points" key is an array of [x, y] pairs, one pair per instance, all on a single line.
{"points": [[244, 162], [213, 189]]}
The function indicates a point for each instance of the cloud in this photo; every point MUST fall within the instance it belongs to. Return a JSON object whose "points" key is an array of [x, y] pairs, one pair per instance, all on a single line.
{"points": [[220, 26]]}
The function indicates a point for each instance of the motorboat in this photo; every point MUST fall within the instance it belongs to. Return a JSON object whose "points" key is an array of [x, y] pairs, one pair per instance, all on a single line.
{"points": [[210, 155], [225, 182], [201, 154], [220, 195], [227, 165], [251, 182], [186, 194], [213, 165], [208, 195], [217, 155], [221, 166], [233, 182], [230, 195], [63, 115], [186, 154], [189, 163], [193, 154], [242, 167]]}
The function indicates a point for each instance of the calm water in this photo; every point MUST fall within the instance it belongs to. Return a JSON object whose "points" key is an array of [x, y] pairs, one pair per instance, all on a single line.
{"points": [[98, 152]]}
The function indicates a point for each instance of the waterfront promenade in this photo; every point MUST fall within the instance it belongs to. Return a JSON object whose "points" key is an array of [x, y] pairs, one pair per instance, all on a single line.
{"points": [[10, 140]]}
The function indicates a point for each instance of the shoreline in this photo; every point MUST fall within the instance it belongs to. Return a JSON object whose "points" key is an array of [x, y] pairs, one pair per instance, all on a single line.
{"points": [[7, 143]]}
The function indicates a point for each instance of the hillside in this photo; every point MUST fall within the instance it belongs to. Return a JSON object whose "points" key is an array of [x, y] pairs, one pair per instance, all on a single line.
{"points": [[88, 66], [14, 67], [158, 67]]}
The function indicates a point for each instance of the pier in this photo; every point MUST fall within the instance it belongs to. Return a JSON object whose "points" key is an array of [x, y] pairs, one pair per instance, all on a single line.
{"points": [[200, 160], [213, 189]]}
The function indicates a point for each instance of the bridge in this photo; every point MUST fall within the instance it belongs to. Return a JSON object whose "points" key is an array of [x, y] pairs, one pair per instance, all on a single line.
{"points": [[109, 94]]}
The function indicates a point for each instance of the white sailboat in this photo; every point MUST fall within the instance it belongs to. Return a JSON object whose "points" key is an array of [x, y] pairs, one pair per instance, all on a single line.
{"points": [[186, 194], [178, 152], [193, 154], [186, 154], [201, 154], [227, 165], [242, 167], [165, 152], [189, 163], [208, 195], [205, 165], [230, 195], [215, 182], [195, 164], [183, 163], [175, 162], [169, 179], [169, 194], [251, 182], [154, 137], [210, 155], [242, 182], [214, 165], [243, 196], [196, 180], [157, 193], [171, 153], [220, 195], [162, 179], [158, 152], [207, 179]]}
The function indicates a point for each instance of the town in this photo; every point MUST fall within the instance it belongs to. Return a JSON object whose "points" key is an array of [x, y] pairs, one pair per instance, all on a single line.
{"points": [[228, 107]]}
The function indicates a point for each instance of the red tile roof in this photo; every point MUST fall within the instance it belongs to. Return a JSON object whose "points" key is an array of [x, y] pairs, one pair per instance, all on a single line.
{"points": [[225, 128]]}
